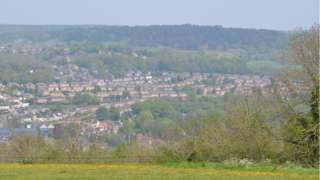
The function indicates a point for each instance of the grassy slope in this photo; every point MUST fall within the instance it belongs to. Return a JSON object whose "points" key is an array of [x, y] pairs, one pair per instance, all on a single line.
{"points": [[138, 171]]}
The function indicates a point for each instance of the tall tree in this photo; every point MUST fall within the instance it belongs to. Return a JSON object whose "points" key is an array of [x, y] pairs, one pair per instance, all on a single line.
{"points": [[102, 113], [301, 82]]}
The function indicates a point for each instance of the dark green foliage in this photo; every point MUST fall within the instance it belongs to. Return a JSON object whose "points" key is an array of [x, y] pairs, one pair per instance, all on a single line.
{"points": [[85, 99], [159, 108], [125, 94], [312, 135], [314, 104], [114, 114], [23, 68], [263, 67], [180, 36], [108, 114], [102, 113], [165, 116], [301, 128], [115, 140], [302, 133], [241, 132], [97, 89]]}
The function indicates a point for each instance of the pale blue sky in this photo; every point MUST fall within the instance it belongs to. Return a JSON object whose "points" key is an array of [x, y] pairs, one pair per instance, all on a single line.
{"points": [[269, 14]]}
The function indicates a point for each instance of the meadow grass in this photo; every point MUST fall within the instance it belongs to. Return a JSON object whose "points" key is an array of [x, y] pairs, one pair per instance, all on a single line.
{"points": [[183, 171]]}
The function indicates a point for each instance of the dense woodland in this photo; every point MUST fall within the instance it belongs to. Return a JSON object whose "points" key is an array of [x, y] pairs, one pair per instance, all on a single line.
{"points": [[182, 37]]}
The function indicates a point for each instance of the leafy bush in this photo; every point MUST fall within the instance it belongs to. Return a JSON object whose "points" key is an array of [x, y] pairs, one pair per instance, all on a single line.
{"points": [[85, 99]]}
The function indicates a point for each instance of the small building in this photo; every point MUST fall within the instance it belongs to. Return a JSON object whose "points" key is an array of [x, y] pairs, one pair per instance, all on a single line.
{"points": [[5, 135]]}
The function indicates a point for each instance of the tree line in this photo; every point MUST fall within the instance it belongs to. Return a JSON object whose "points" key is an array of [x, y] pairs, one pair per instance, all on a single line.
{"points": [[175, 36]]}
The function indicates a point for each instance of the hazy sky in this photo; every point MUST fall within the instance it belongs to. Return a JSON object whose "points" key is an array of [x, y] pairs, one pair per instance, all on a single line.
{"points": [[270, 14]]}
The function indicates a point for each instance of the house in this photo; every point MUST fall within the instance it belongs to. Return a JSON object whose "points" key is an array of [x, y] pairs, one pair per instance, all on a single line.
{"points": [[53, 87], [41, 87], [57, 99], [30, 86], [25, 131], [65, 87], [46, 130], [2, 87], [108, 127], [5, 135], [42, 101], [100, 83], [57, 95], [76, 88], [21, 105], [4, 108], [89, 87]]}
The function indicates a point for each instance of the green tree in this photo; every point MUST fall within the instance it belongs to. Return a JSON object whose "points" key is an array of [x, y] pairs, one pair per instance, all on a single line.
{"points": [[301, 128], [85, 99], [144, 120], [125, 94], [115, 140], [97, 89], [128, 129], [102, 113], [114, 114]]}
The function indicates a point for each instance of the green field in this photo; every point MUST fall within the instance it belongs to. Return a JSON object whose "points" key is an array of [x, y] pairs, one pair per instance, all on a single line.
{"points": [[140, 171]]}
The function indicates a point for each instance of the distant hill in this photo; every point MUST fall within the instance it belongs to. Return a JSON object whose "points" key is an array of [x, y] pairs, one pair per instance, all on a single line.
{"points": [[189, 37]]}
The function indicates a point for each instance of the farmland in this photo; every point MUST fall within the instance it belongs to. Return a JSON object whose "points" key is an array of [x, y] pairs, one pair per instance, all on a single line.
{"points": [[143, 171]]}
